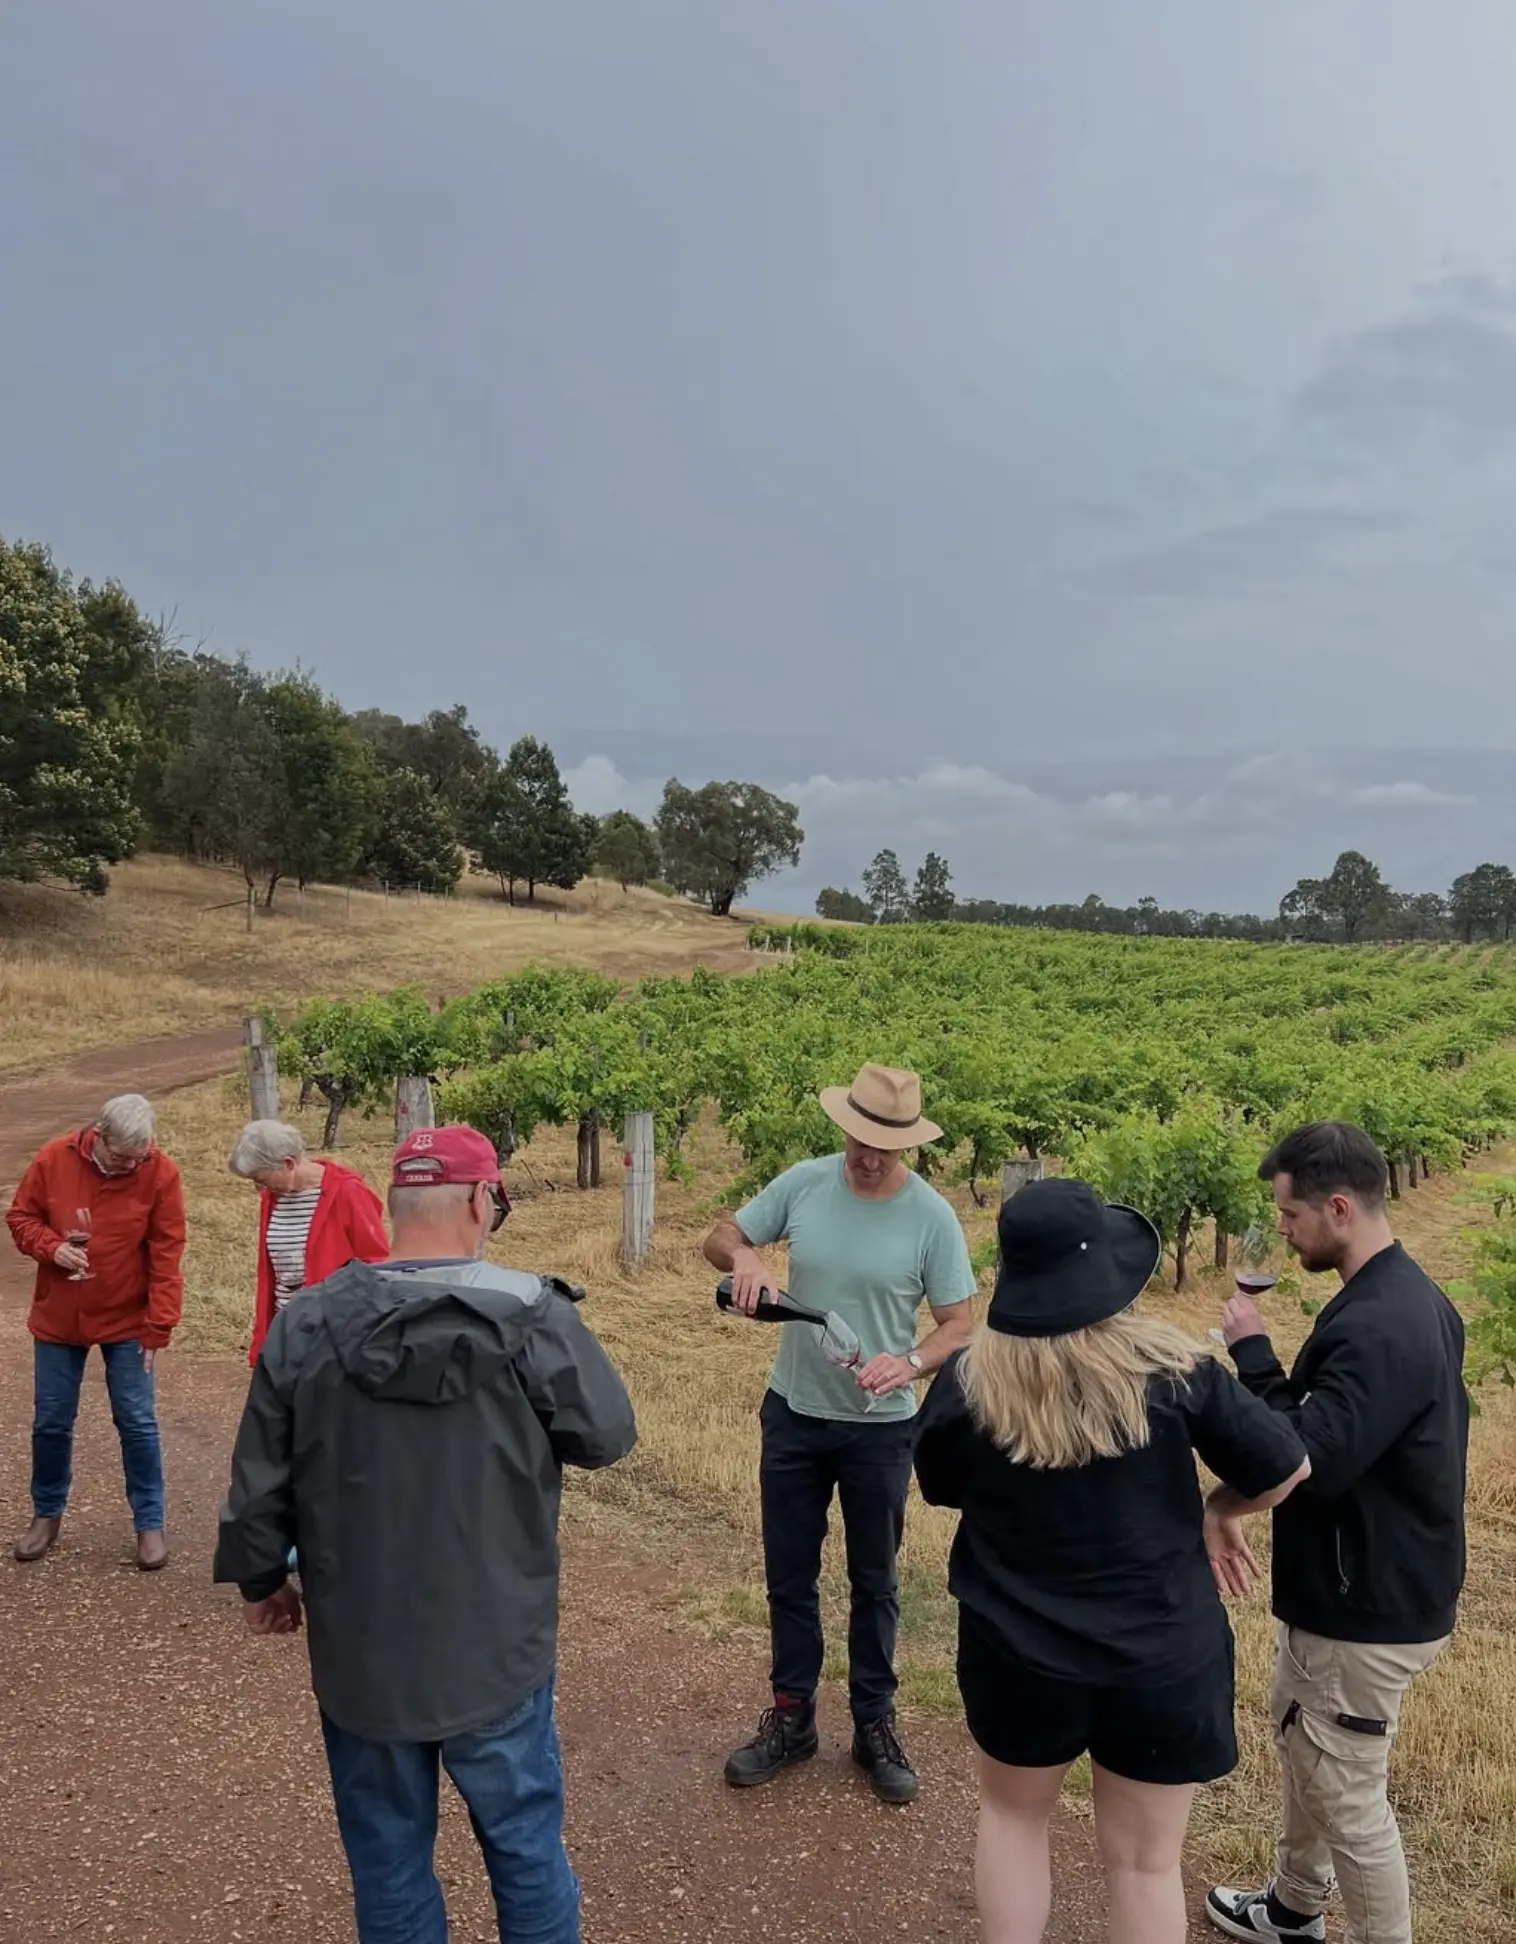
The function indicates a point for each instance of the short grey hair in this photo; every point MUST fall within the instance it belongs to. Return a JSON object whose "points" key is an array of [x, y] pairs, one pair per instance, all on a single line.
{"points": [[126, 1124], [265, 1144], [419, 1202]]}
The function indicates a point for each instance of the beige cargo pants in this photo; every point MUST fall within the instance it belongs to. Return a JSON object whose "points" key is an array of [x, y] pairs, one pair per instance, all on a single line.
{"points": [[1336, 1707]]}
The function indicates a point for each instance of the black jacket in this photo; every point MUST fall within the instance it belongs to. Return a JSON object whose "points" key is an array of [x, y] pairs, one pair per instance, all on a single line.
{"points": [[1371, 1546], [406, 1429]]}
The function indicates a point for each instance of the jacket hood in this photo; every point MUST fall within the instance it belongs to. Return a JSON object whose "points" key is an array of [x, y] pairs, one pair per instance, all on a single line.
{"points": [[407, 1339]]}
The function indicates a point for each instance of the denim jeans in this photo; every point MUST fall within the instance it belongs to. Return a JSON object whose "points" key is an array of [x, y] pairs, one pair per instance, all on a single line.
{"points": [[511, 1781], [805, 1460], [59, 1372]]}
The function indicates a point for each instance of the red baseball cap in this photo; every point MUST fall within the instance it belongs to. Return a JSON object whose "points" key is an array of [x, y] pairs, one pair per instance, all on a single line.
{"points": [[439, 1157]]}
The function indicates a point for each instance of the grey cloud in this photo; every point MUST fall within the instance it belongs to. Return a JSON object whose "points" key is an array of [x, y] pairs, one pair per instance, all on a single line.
{"points": [[1476, 290], [823, 392], [1450, 371], [1272, 549]]}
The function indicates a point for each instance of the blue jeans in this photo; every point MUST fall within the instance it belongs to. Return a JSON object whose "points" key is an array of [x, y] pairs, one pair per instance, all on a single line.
{"points": [[511, 1780], [59, 1371]]}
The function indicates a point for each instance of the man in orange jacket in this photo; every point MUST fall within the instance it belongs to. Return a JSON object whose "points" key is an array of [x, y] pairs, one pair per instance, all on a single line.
{"points": [[101, 1213]]}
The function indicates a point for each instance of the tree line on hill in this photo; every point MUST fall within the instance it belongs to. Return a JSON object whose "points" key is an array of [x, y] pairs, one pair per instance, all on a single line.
{"points": [[114, 738], [1351, 905]]}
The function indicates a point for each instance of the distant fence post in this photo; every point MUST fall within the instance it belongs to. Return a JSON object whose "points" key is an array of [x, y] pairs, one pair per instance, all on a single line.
{"points": [[1017, 1172], [637, 1190], [413, 1104], [262, 1071]]}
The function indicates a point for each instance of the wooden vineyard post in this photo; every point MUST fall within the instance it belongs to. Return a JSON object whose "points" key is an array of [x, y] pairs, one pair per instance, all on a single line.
{"points": [[1017, 1172], [637, 1190], [262, 1071], [413, 1105]]}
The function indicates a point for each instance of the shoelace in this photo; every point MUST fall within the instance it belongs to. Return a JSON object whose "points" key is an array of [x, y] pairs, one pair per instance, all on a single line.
{"points": [[884, 1744], [772, 1725]]}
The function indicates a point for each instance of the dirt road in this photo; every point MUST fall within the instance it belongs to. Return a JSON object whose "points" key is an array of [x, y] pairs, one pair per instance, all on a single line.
{"points": [[161, 1779]]}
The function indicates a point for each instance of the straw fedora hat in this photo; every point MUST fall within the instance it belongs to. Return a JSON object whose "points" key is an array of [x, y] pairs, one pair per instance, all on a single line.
{"points": [[882, 1109]]}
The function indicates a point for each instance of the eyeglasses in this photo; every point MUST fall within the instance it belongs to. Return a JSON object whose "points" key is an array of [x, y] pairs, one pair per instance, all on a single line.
{"points": [[502, 1207], [119, 1160]]}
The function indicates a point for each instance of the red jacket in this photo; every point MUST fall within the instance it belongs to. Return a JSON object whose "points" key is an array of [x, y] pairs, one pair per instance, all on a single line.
{"points": [[348, 1226], [135, 1288]]}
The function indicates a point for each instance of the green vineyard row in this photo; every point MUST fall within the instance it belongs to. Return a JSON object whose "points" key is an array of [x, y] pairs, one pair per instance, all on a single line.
{"points": [[1158, 1068]]}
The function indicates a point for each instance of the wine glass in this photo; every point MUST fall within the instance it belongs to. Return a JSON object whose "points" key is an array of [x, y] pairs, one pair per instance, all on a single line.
{"points": [[843, 1350], [78, 1234]]}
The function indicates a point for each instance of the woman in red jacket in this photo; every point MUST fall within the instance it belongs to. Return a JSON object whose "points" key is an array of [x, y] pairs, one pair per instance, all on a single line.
{"points": [[314, 1217]]}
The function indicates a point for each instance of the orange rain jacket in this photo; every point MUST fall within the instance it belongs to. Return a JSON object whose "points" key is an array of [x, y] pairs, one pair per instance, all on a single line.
{"points": [[135, 1288]]}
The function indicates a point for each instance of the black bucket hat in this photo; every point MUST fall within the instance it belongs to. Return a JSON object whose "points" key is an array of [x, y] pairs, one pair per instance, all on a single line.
{"points": [[1067, 1260]]}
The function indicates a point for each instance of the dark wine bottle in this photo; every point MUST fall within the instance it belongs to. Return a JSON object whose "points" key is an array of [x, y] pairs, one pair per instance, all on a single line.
{"points": [[776, 1308]]}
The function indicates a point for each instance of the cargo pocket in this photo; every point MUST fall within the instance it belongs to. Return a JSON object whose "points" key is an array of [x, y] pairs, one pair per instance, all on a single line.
{"points": [[1339, 1773]]}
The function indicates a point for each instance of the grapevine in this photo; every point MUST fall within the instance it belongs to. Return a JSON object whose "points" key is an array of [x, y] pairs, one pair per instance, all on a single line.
{"points": [[1161, 1068]]}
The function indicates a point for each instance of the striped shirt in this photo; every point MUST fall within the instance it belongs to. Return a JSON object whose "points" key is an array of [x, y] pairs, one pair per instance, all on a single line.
{"points": [[289, 1229]]}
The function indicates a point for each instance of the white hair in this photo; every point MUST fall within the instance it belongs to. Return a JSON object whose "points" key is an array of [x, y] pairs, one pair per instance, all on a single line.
{"points": [[265, 1144], [126, 1124]]}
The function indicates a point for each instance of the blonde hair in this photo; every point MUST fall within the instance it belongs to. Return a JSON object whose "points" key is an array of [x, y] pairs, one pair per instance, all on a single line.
{"points": [[1056, 1402]]}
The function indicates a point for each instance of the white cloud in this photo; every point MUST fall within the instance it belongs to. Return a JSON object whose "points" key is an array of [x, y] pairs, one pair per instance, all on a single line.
{"points": [[1230, 842], [596, 786], [1127, 810], [1408, 796]]}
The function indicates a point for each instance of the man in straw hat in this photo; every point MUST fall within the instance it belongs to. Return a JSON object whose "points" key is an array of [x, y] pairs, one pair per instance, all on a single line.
{"points": [[871, 1241]]}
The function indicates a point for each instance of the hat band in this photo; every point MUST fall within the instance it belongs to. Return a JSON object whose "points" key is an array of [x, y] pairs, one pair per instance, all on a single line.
{"points": [[881, 1120]]}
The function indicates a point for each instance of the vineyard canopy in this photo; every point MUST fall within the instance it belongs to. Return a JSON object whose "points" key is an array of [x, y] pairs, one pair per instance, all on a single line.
{"points": [[1160, 1069]]}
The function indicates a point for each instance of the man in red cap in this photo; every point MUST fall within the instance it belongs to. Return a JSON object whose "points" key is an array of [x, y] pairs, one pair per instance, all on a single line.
{"points": [[407, 1427]]}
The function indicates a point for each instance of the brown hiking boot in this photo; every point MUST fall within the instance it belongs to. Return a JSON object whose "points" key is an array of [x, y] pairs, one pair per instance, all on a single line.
{"points": [[152, 1552], [38, 1540]]}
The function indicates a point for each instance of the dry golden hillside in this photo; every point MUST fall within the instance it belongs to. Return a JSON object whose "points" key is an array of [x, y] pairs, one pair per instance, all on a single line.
{"points": [[169, 949]]}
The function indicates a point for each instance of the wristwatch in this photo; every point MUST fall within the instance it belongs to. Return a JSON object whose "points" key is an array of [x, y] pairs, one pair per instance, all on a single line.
{"points": [[914, 1361]]}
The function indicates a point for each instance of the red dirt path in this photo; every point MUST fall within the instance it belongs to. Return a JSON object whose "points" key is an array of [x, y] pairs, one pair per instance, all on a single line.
{"points": [[161, 1779]]}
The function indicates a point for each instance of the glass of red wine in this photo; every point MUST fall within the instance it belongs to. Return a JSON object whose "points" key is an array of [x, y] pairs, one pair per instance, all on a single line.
{"points": [[1254, 1283], [78, 1234]]}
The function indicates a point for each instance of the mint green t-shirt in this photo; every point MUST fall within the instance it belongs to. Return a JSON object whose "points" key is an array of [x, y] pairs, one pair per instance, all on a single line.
{"points": [[873, 1262]]}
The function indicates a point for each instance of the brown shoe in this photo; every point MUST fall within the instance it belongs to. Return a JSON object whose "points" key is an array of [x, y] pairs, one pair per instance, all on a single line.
{"points": [[38, 1540], [152, 1552]]}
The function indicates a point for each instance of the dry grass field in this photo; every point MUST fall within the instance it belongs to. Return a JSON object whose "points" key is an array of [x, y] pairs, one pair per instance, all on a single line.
{"points": [[688, 1494], [168, 950]]}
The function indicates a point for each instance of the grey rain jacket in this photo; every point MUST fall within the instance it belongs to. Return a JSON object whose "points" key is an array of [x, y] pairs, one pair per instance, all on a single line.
{"points": [[406, 1428]]}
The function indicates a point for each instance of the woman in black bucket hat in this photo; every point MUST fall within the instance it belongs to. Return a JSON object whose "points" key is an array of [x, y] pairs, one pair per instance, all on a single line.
{"points": [[1086, 1566]]}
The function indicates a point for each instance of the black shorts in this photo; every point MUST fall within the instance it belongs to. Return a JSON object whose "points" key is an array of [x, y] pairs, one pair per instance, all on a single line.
{"points": [[1169, 1731]]}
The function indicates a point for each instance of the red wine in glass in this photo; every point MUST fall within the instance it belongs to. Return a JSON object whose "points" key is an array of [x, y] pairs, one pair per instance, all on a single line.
{"points": [[78, 1234]]}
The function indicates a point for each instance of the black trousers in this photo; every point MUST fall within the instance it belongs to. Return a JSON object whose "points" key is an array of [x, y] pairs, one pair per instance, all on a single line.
{"points": [[868, 1466]]}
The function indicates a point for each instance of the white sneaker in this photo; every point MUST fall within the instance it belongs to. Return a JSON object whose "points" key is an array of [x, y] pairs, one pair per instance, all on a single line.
{"points": [[1245, 1914]]}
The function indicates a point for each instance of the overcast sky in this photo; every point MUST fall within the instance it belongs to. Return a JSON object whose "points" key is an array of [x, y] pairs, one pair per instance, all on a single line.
{"points": [[1080, 438]]}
